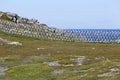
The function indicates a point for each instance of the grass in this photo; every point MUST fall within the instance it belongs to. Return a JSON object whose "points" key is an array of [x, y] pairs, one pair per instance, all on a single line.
{"points": [[27, 62], [34, 71], [4, 17]]}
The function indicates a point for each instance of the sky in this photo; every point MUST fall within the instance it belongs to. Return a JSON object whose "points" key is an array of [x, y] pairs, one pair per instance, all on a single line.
{"points": [[68, 14]]}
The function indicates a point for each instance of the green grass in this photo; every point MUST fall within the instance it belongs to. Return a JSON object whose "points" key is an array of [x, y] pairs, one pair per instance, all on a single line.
{"points": [[27, 62], [27, 71]]}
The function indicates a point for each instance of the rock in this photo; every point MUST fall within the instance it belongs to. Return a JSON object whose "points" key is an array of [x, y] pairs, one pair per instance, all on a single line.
{"points": [[83, 75], [15, 18], [15, 43], [98, 58], [10, 42], [78, 59], [56, 72], [26, 20], [2, 69], [114, 69], [93, 48], [109, 74], [117, 65], [4, 41], [33, 21], [54, 63], [11, 14], [113, 72], [58, 51], [68, 65], [40, 48]]}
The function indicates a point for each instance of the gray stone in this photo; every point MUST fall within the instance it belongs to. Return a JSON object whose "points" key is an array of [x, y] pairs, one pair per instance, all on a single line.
{"points": [[78, 59], [54, 63], [109, 74], [40, 48], [56, 72], [15, 43], [2, 69], [113, 72], [11, 14], [10, 42], [117, 65]]}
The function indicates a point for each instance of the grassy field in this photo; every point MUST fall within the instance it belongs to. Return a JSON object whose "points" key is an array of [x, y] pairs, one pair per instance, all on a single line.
{"points": [[58, 60]]}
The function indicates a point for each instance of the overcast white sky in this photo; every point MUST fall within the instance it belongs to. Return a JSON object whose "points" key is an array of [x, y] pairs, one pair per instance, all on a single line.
{"points": [[82, 14]]}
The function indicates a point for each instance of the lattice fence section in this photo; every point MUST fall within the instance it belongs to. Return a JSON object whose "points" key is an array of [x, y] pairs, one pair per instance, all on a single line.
{"points": [[43, 32], [97, 35], [38, 31]]}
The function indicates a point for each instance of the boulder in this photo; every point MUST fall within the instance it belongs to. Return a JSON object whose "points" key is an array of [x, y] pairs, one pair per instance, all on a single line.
{"points": [[33, 21], [11, 14]]}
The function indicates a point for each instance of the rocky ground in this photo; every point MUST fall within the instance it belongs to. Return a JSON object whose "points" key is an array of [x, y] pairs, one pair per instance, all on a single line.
{"points": [[58, 60]]}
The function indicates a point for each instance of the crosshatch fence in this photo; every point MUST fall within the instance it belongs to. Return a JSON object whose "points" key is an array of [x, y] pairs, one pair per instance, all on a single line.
{"points": [[43, 32], [98, 35], [38, 31]]}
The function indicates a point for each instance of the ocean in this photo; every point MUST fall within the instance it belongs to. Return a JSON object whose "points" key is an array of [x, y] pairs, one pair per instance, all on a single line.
{"points": [[98, 35]]}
